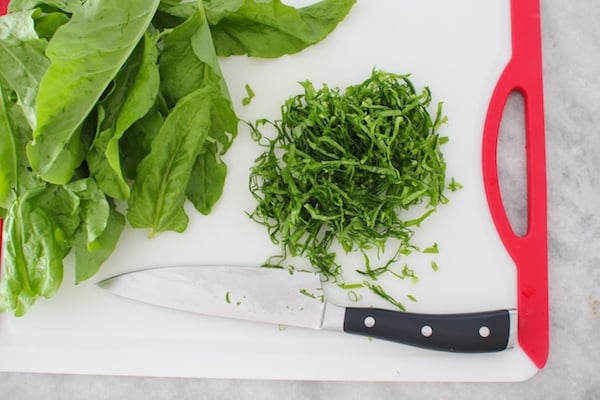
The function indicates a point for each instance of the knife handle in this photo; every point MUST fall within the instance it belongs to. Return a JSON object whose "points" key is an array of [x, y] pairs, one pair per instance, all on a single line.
{"points": [[479, 332]]}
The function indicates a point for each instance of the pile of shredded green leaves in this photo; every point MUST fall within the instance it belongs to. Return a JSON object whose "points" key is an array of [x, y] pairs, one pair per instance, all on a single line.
{"points": [[344, 166], [120, 102]]}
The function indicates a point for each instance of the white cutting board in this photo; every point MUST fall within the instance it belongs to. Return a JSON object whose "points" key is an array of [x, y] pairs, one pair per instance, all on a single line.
{"points": [[458, 48]]}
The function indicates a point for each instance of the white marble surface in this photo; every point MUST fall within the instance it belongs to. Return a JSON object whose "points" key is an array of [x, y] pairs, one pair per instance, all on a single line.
{"points": [[571, 39]]}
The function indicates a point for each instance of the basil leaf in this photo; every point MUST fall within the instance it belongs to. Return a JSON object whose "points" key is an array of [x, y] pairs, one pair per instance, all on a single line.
{"points": [[93, 207], [218, 9], [158, 194], [189, 52], [8, 155], [42, 226], [188, 60], [208, 176], [15, 175], [37, 229], [22, 59], [136, 142], [79, 72], [68, 6], [207, 180], [47, 25], [272, 29], [224, 120], [19, 289], [90, 255], [179, 9], [134, 93], [99, 231]]}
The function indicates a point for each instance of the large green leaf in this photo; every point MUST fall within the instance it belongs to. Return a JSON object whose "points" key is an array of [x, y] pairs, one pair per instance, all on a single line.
{"points": [[22, 59], [207, 180], [89, 258], [158, 194], [15, 174], [189, 62], [134, 92], [272, 29], [100, 228], [36, 231], [8, 155], [42, 226], [86, 53]]}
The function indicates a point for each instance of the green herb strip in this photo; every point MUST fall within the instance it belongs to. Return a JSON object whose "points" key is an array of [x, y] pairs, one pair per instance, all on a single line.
{"points": [[250, 95], [344, 166]]}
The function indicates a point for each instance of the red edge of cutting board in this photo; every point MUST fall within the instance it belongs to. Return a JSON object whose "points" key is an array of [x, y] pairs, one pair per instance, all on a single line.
{"points": [[522, 74]]}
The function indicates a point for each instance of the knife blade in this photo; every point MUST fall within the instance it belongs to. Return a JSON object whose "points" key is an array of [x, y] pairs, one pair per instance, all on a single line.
{"points": [[279, 296]]}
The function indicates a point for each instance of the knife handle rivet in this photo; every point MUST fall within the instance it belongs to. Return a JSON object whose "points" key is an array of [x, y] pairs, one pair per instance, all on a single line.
{"points": [[484, 331], [426, 331], [369, 322]]}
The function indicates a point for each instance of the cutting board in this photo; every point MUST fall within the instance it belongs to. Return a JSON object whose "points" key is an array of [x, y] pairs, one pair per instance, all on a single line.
{"points": [[472, 54]]}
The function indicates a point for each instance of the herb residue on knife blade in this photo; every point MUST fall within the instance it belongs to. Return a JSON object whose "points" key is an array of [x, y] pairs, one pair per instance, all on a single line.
{"points": [[344, 166], [106, 102]]}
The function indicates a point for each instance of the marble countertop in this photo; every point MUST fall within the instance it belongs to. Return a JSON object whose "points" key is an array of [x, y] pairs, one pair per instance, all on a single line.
{"points": [[571, 40]]}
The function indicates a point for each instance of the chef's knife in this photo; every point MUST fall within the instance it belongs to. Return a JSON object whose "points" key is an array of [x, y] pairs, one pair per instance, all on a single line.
{"points": [[278, 296]]}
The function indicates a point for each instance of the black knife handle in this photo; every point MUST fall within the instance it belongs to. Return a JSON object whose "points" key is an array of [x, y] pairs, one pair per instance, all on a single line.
{"points": [[479, 332]]}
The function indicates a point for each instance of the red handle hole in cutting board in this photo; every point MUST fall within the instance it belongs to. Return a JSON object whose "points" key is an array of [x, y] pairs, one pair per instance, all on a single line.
{"points": [[512, 163]]}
